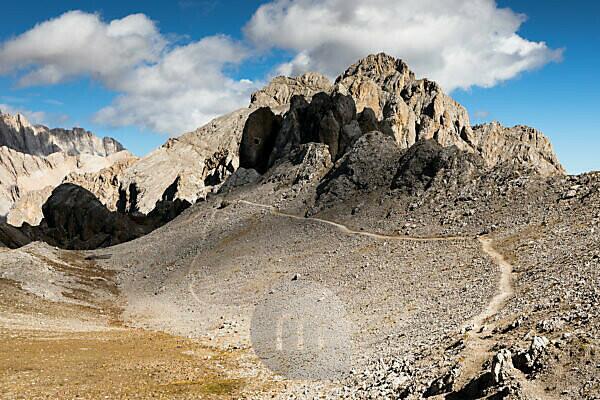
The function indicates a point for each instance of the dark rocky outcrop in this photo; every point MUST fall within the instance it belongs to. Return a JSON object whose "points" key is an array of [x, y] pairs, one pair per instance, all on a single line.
{"points": [[258, 139], [321, 121], [427, 161], [75, 219], [327, 119], [367, 167]]}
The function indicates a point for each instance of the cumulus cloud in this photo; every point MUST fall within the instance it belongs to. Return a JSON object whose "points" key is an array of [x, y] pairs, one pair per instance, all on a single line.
{"points": [[161, 86], [184, 90], [459, 43], [78, 43], [164, 86]]}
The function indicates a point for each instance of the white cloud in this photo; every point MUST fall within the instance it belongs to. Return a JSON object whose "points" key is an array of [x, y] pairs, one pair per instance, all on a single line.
{"points": [[78, 43], [184, 90], [481, 114], [161, 86], [167, 87], [459, 43]]}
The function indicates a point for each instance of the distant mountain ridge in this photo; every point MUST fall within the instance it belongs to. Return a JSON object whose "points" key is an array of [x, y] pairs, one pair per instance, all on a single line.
{"points": [[17, 133], [35, 159]]}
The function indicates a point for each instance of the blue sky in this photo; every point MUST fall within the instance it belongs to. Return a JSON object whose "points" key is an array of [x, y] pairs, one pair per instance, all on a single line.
{"points": [[551, 86]]}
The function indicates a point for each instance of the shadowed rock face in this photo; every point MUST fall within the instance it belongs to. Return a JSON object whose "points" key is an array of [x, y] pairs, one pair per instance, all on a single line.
{"points": [[367, 166], [427, 160], [75, 219], [258, 139], [328, 119]]}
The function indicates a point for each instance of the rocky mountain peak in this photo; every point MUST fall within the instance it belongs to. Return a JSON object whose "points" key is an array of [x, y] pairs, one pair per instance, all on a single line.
{"points": [[410, 109], [379, 67], [280, 90], [17, 121]]}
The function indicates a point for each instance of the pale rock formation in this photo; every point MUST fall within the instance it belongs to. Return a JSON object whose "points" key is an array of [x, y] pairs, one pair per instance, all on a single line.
{"points": [[519, 146], [26, 180], [105, 183], [185, 168], [392, 100], [34, 160], [18, 134], [280, 90], [28, 207], [411, 109]]}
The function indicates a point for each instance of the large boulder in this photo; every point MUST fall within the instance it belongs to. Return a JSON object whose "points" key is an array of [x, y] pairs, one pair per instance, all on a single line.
{"points": [[427, 163], [75, 218], [258, 139], [305, 165]]}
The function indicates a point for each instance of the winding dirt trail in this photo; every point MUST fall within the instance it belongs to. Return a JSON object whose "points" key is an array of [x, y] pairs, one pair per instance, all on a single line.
{"points": [[344, 229], [505, 289], [478, 343]]}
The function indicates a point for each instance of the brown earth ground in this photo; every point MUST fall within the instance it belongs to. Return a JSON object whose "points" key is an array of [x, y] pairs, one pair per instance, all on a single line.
{"points": [[53, 350]]}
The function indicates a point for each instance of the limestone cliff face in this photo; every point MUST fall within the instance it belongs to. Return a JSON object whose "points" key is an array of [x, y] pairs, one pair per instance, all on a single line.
{"points": [[18, 134], [27, 181], [519, 146], [186, 168], [411, 109], [34, 160], [279, 91], [105, 183]]}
